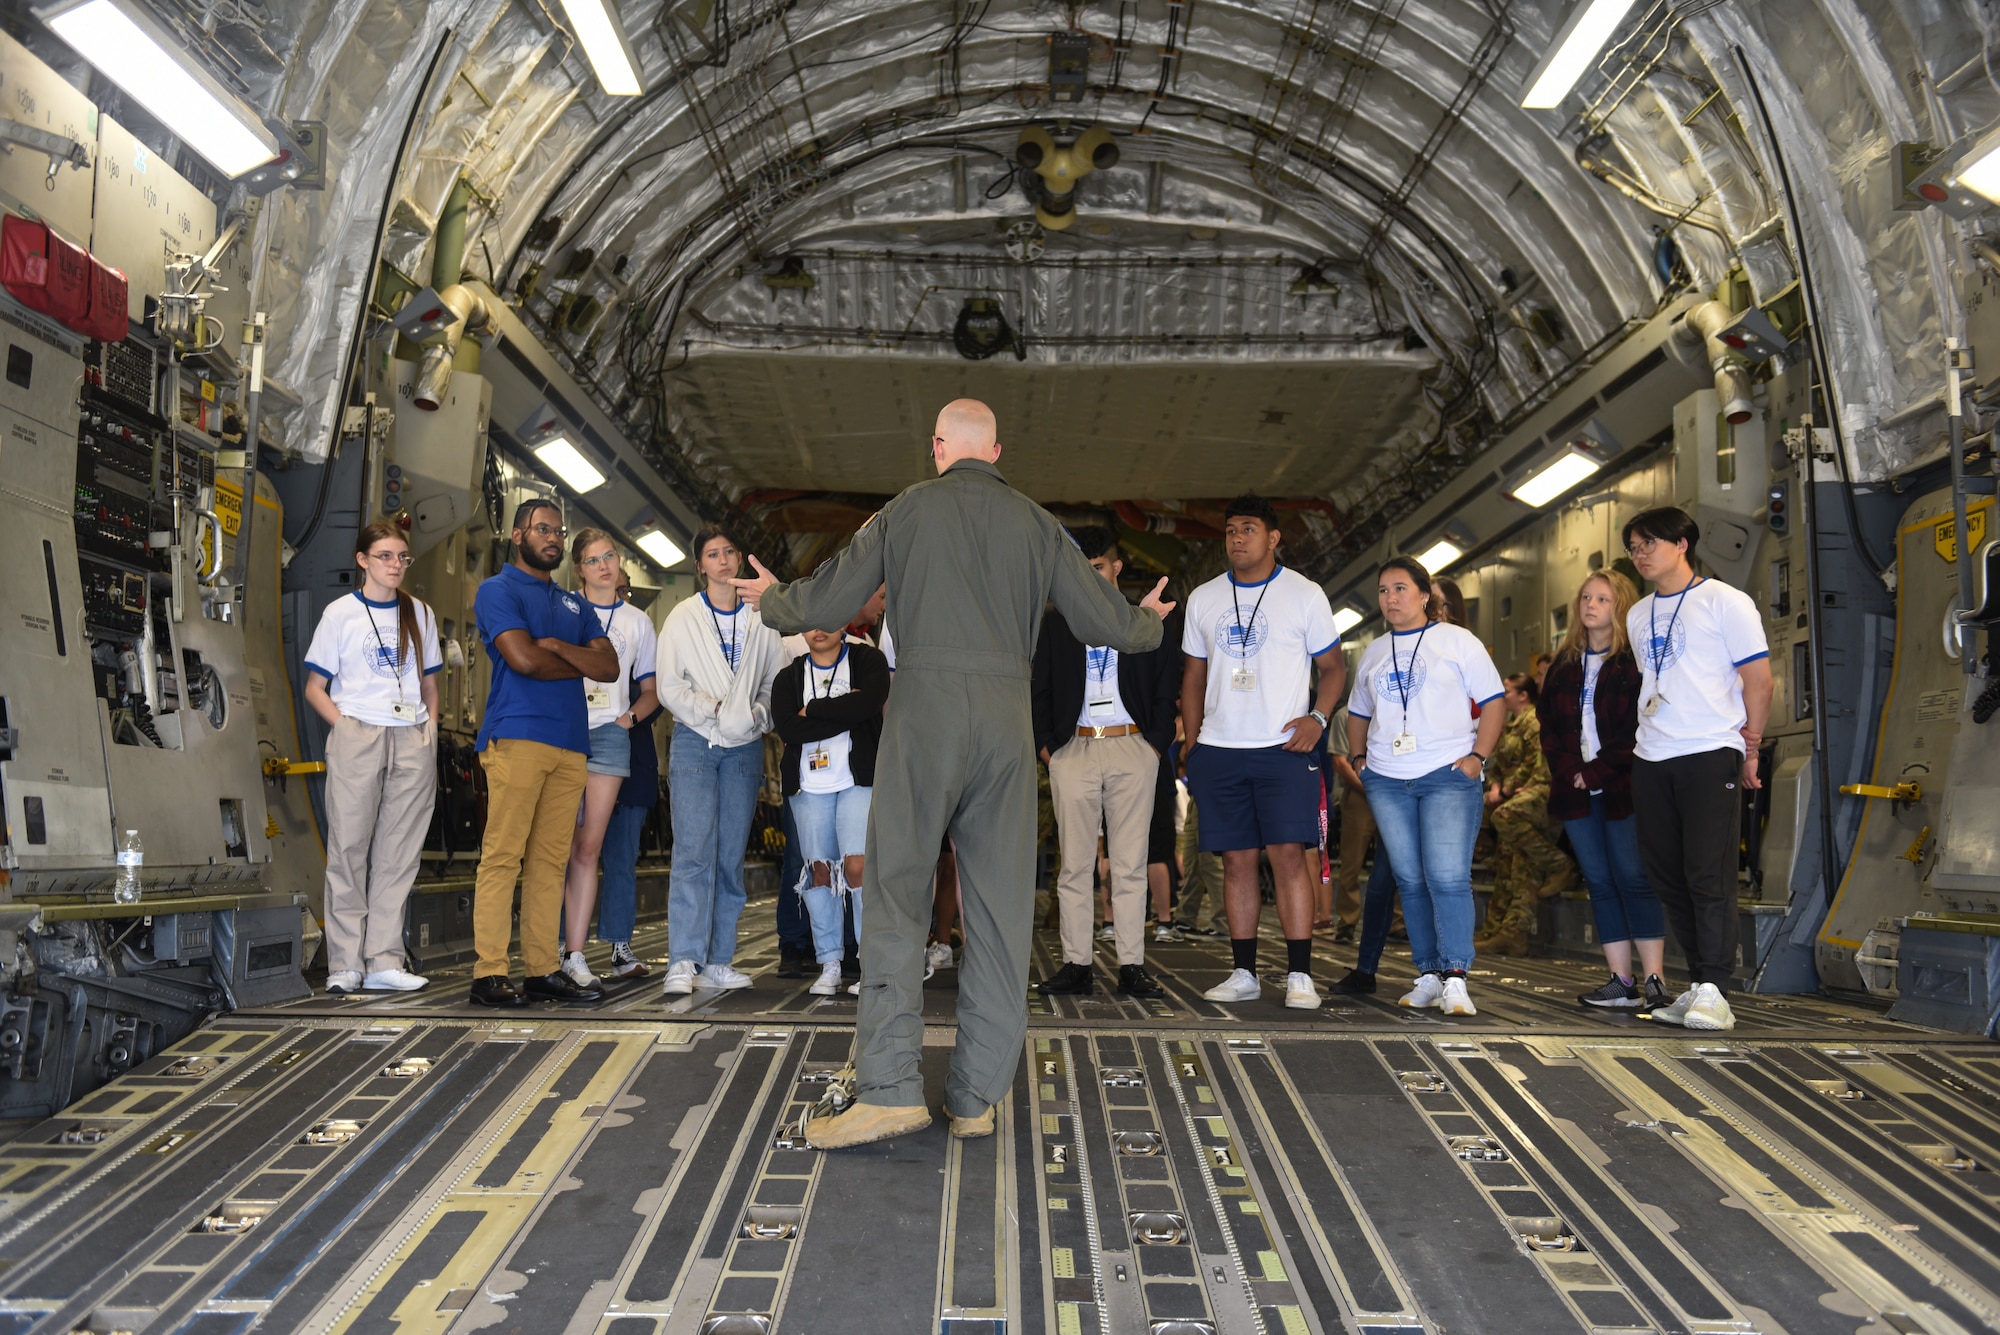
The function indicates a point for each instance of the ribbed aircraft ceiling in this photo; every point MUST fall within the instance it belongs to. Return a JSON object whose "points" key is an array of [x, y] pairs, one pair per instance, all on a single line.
{"points": [[1332, 256]]}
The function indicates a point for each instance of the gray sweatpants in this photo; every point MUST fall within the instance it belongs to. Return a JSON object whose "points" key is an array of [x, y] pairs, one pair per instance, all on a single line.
{"points": [[381, 784], [957, 756]]}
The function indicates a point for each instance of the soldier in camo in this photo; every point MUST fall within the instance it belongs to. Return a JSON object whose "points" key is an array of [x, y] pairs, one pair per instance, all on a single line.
{"points": [[1528, 865]]}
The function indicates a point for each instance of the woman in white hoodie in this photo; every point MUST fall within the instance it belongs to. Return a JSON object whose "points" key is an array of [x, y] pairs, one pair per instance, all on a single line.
{"points": [[717, 661]]}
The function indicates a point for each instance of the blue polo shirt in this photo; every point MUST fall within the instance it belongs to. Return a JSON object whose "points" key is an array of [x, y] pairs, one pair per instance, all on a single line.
{"points": [[550, 712]]}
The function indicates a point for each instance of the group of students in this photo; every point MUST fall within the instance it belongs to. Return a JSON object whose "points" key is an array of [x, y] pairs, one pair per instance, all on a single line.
{"points": [[572, 769], [1651, 715]]}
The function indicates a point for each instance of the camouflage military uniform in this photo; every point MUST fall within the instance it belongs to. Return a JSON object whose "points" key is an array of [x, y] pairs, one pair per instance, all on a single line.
{"points": [[1526, 857]]}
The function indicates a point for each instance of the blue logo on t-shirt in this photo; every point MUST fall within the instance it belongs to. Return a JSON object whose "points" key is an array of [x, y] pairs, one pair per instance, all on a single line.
{"points": [[571, 604], [1667, 644], [1245, 640], [1403, 676], [385, 662]]}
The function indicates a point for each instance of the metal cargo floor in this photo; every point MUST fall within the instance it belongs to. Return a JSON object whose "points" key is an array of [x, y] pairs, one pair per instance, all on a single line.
{"points": [[415, 1166]]}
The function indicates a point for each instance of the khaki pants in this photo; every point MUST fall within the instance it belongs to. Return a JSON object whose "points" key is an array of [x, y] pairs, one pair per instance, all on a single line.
{"points": [[1357, 827], [381, 783], [532, 794], [1105, 783]]}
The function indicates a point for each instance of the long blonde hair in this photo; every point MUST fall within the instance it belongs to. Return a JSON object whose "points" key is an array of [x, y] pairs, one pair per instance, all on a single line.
{"points": [[1577, 639]]}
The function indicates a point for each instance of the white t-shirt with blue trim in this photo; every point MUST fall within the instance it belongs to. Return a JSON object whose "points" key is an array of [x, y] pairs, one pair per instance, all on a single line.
{"points": [[1422, 683], [1689, 646], [1259, 641], [631, 633], [357, 648]]}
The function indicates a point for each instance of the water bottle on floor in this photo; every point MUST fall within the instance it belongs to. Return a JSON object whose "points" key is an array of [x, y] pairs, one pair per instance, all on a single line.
{"points": [[131, 857]]}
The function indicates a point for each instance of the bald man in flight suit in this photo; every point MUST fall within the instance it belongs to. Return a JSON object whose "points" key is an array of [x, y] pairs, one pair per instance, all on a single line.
{"points": [[970, 564]]}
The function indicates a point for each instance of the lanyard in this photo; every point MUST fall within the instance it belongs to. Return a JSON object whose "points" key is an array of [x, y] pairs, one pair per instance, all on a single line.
{"points": [[397, 659], [1657, 650], [832, 675], [1243, 636], [728, 646], [1402, 682]]}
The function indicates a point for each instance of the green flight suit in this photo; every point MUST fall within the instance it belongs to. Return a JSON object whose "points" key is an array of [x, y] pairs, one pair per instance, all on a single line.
{"points": [[1526, 855], [970, 564]]}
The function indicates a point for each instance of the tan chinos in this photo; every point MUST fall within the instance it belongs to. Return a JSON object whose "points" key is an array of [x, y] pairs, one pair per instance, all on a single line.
{"points": [[1103, 783], [532, 792], [381, 783]]}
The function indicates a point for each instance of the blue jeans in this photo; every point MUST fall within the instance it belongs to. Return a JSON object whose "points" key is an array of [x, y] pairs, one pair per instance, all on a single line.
{"points": [[1427, 826], [1378, 910], [832, 827], [793, 929], [618, 890], [714, 795], [1621, 899]]}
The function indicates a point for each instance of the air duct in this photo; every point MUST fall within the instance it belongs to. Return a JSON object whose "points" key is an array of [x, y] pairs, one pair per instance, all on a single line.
{"points": [[447, 265], [1704, 324]]}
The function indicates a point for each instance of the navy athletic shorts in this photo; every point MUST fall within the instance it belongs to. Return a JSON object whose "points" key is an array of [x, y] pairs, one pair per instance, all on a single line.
{"points": [[1256, 798]]}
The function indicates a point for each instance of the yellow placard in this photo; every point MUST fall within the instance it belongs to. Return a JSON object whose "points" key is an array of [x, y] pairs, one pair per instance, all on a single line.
{"points": [[229, 506], [1944, 533]]}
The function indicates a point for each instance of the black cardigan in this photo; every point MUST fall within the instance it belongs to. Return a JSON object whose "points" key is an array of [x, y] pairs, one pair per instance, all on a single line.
{"points": [[1149, 685], [858, 713]]}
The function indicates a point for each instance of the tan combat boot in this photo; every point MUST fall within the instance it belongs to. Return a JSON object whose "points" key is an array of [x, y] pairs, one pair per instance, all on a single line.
{"points": [[864, 1124], [971, 1128]]}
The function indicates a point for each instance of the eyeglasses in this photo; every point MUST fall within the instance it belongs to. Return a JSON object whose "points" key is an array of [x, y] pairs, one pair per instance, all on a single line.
{"points": [[546, 531], [393, 558], [603, 559], [1643, 547]]}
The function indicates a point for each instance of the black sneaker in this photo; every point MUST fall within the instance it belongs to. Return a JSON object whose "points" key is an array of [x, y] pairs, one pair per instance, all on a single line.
{"points": [[559, 987], [1070, 980], [494, 989], [1616, 994], [1656, 995], [791, 961], [1134, 981], [1356, 984], [1189, 929], [1343, 935]]}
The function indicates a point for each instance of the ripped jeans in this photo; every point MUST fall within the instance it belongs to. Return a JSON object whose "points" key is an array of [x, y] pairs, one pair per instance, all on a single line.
{"points": [[832, 827]]}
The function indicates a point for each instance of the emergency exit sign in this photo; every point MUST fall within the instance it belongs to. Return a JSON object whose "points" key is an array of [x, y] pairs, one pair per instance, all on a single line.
{"points": [[1944, 533]]}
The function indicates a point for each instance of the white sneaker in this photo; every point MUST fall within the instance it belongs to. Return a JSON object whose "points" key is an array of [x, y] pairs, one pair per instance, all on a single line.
{"points": [[1426, 994], [574, 969], [937, 956], [854, 988], [1241, 985], [1107, 933], [1709, 1009], [680, 977], [828, 984], [1300, 994], [1166, 931], [1455, 1000], [722, 976], [342, 981], [1677, 1012], [393, 980]]}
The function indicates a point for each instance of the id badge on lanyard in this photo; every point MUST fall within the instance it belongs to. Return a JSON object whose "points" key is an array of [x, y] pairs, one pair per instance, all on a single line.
{"points": [[1243, 679], [817, 759], [403, 711], [597, 695], [1403, 744], [1102, 707]]}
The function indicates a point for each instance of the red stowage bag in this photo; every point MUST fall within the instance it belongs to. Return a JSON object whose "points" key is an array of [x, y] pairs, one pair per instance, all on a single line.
{"points": [[108, 295], [45, 272]]}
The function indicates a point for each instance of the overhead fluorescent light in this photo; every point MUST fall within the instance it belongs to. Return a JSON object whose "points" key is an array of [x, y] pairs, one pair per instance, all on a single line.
{"points": [[1439, 555], [603, 40], [1980, 172], [567, 462], [1345, 619], [146, 62], [1577, 41], [1554, 478], [661, 548]]}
